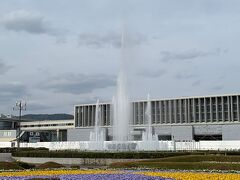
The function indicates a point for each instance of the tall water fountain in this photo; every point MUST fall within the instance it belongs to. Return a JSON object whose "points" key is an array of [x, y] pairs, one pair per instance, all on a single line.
{"points": [[121, 112], [149, 140], [97, 135], [121, 104]]}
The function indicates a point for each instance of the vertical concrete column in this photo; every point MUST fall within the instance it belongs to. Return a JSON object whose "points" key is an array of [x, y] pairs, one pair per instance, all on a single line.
{"points": [[93, 115], [102, 115], [180, 106], [223, 118], [229, 108], [231, 105], [87, 120], [211, 110], [88, 123], [155, 104], [165, 111], [82, 115], [189, 111], [205, 110], [170, 111], [85, 116], [186, 111], [134, 122], [106, 117], [238, 109], [58, 137], [160, 107], [83, 119], [194, 109], [175, 111], [200, 110], [143, 112], [77, 116], [138, 114], [217, 110]]}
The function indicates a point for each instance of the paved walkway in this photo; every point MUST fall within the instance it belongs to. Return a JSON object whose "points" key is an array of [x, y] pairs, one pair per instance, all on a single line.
{"points": [[6, 157]]}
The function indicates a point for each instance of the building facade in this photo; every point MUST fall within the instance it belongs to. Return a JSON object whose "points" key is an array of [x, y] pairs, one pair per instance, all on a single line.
{"points": [[186, 118]]}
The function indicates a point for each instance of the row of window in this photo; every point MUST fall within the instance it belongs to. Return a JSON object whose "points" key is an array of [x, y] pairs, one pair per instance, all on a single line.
{"points": [[191, 110], [47, 125]]}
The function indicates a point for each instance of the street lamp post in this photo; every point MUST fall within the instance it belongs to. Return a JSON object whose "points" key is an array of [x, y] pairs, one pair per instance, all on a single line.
{"points": [[19, 106]]}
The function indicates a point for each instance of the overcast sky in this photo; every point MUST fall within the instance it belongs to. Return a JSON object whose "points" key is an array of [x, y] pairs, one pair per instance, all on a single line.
{"points": [[58, 53]]}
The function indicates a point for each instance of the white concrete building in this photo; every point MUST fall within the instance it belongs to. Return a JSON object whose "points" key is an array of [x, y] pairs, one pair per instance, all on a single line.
{"points": [[186, 118]]}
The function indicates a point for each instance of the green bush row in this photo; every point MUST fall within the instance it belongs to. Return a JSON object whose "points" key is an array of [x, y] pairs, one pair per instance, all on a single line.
{"points": [[42, 152], [11, 150], [113, 155]]}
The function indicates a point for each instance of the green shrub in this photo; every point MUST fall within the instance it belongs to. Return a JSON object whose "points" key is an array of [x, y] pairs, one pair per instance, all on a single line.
{"points": [[75, 166], [41, 152], [50, 165], [9, 165], [113, 155], [25, 165]]}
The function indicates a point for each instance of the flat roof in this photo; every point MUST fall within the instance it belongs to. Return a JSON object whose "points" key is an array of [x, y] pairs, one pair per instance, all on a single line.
{"points": [[164, 99]]}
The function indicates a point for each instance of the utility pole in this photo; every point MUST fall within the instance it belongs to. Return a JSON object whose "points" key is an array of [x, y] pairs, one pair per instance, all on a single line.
{"points": [[19, 106]]}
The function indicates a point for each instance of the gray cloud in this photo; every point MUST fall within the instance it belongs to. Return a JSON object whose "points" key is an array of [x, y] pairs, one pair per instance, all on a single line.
{"points": [[167, 56], [3, 67], [110, 39], [88, 100], [152, 74], [79, 83], [37, 106], [12, 91], [217, 88], [196, 83], [184, 75], [33, 23]]}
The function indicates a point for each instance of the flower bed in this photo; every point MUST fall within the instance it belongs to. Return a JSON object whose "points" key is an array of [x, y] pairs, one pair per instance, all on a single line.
{"points": [[66, 174]]}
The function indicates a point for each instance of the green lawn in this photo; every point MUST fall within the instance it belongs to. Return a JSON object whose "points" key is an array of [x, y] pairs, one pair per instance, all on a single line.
{"points": [[189, 162], [9, 165]]}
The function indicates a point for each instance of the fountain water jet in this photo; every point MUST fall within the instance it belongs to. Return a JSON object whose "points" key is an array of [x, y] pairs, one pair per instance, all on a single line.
{"points": [[149, 140], [121, 104], [97, 135]]}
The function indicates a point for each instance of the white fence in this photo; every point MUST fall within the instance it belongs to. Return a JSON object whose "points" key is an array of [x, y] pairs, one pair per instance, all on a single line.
{"points": [[5, 144], [137, 145], [133, 145]]}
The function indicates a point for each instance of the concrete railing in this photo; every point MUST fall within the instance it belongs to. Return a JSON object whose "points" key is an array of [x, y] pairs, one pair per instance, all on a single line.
{"points": [[160, 145]]}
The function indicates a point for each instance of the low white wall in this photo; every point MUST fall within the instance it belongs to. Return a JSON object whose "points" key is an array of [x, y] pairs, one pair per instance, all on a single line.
{"points": [[160, 145], [5, 144], [219, 145]]}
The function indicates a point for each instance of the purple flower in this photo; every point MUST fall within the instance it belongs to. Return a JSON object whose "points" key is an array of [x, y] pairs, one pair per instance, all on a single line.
{"points": [[90, 177]]}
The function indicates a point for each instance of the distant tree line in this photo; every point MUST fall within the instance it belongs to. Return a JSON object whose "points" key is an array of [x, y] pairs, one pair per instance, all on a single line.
{"points": [[48, 116]]}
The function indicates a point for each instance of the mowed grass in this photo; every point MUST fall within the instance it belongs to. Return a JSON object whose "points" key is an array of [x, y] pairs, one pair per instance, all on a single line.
{"points": [[189, 162], [10, 165]]}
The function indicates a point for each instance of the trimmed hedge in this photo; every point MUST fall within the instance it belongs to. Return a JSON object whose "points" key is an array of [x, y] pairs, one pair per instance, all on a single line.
{"points": [[41, 152], [12, 150], [112, 155]]}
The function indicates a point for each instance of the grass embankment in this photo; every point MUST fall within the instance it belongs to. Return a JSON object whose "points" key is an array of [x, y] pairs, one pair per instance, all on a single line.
{"points": [[22, 166], [189, 162], [9, 165]]}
